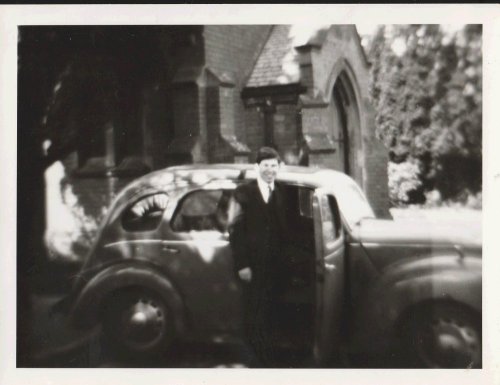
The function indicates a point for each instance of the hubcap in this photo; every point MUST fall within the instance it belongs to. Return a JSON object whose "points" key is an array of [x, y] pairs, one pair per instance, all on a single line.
{"points": [[448, 342], [143, 323]]}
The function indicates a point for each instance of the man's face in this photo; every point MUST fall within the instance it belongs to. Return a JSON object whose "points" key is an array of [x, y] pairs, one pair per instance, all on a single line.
{"points": [[268, 169]]}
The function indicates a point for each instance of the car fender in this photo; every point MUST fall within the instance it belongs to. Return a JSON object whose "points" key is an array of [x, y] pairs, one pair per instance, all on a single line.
{"points": [[88, 303], [409, 283]]}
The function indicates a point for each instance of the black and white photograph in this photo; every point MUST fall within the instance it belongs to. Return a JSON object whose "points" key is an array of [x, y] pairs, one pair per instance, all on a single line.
{"points": [[305, 193]]}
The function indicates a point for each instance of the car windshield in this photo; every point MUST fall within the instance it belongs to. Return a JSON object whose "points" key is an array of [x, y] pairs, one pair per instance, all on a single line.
{"points": [[352, 202]]}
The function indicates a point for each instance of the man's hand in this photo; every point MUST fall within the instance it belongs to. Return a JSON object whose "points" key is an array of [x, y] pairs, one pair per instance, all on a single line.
{"points": [[245, 274]]}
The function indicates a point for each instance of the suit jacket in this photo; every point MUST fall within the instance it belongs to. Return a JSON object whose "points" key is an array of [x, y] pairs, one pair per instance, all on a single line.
{"points": [[254, 244]]}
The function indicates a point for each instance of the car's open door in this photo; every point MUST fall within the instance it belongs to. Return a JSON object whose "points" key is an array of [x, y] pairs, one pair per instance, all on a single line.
{"points": [[330, 276]]}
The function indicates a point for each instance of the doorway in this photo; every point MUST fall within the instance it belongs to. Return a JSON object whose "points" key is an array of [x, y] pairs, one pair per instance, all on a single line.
{"points": [[341, 133], [345, 128]]}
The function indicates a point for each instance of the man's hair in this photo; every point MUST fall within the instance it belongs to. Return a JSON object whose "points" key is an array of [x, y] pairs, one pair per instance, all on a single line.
{"points": [[267, 153]]}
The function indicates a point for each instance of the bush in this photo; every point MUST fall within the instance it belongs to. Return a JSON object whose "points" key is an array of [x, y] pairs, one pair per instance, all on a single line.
{"points": [[404, 179], [466, 199], [475, 201]]}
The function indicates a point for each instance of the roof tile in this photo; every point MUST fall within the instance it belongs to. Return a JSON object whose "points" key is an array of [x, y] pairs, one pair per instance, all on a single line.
{"points": [[278, 62]]}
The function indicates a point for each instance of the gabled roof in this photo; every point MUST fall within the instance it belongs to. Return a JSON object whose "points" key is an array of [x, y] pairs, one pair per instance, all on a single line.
{"points": [[278, 61]]}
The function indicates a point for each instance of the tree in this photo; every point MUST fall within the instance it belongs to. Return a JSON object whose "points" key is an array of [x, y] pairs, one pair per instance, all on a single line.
{"points": [[426, 88], [458, 145]]}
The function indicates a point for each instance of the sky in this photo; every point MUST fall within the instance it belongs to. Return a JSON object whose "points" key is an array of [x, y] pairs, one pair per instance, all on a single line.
{"points": [[366, 28]]}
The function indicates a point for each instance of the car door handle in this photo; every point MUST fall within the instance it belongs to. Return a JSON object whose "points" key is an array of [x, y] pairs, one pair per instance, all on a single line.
{"points": [[170, 249]]}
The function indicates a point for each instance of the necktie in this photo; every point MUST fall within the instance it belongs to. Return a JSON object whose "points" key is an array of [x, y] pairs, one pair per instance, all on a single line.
{"points": [[269, 193]]}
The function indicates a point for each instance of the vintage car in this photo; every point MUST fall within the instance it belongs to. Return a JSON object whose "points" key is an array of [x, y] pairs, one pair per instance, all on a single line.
{"points": [[161, 271]]}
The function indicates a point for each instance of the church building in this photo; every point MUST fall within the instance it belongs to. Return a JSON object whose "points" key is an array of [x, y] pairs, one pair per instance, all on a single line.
{"points": [[216, 93]]}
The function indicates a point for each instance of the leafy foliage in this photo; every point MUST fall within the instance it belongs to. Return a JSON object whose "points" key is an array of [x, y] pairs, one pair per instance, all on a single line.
{"points": [[403, 181], [426, 87]]}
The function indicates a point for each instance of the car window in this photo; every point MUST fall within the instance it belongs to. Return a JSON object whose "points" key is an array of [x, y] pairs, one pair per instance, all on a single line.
{"points": [[202, 210], [146, 213], [305, 202], [330, 221], [334, 209]]}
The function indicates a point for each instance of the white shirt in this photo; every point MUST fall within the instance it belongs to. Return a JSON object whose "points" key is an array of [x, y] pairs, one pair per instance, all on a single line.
{"points": [[264, 188]]}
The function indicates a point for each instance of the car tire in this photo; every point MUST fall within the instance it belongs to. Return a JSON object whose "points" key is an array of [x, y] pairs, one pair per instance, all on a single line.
{"points": [[137, 323], [441, 335]]}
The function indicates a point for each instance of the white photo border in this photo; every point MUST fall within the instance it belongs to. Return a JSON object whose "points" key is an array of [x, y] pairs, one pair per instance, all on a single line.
{"points": [[12, 16]]}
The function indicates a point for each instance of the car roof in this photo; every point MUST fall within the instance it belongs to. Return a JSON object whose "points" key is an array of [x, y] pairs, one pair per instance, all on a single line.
{"points": [[312, 176], [175, 177], [235, 166]]}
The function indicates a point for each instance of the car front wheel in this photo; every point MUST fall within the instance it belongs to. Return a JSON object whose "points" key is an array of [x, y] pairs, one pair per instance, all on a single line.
{"points": [[442, 335], [137, 322]]}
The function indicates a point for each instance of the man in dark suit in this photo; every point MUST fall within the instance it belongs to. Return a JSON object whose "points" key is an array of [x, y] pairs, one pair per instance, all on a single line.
{"points": [[257, 233]]}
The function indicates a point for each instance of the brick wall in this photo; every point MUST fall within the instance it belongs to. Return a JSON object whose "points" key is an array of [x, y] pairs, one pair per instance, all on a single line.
{"points": [[254, 119], [376, 179], [341, 57], [375, 160], [286, 131], [234, 49]]}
